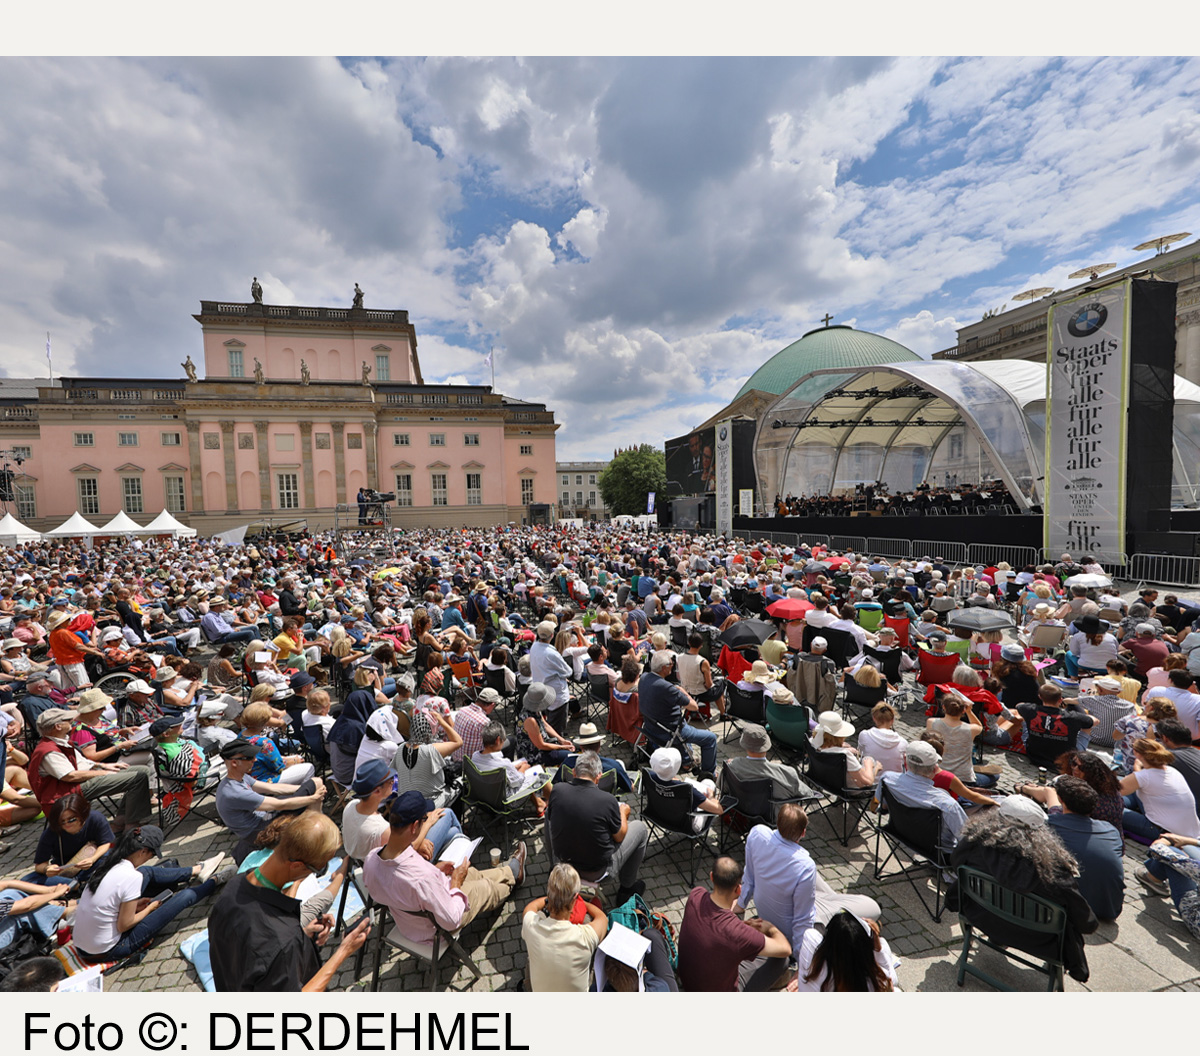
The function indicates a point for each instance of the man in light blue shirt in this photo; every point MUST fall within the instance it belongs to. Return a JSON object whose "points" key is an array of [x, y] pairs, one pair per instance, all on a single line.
{"points": [[452, 617], [548, 666], [782, 878], [915, 788]]}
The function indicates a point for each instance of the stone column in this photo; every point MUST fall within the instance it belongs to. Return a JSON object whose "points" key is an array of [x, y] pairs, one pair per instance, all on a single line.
{"points": [[370, 442], [339, 460], [193, 434], [228, 449], [264, 466], [306, 449]]}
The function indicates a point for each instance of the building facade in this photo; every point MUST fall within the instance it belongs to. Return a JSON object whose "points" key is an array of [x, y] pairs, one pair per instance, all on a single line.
{"points": [[294, 410], [1020, 333], [579, 490]]}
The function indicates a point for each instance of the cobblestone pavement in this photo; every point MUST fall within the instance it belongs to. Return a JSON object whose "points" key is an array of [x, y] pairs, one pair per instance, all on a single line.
{"points": [[1147, 948]]}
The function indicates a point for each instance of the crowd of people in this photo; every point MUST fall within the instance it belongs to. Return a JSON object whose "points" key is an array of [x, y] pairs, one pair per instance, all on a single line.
{"points": [[334, 709]]}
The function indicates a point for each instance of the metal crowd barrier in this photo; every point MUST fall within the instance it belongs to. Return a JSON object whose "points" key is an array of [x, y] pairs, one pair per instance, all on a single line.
{"points": [[896, 549], [993, 553], [954, 553], [855, 543], [1165, 569]]}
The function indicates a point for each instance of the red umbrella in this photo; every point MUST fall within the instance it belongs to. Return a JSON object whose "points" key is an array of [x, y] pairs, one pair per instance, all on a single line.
{"points": [[836, 562], [790, 608]]}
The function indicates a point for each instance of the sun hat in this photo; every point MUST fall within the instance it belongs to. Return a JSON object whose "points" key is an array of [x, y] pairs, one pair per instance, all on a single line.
{"points": [[588, 735], [92, 700], [1013, 653], [760, 672], [830, 724], [370, 776], [665, 763], [538, 697], [755, 738]]}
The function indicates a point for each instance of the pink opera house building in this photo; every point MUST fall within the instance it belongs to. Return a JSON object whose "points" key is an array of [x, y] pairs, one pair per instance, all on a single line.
{"points": [[293, 410]]}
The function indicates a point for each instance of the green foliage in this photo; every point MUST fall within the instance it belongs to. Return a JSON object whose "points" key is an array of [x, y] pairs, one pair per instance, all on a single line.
{"points": [[630, 475]]}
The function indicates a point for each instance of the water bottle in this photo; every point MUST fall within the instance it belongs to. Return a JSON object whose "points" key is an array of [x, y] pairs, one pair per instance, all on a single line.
{"points": [[1041, 775]]}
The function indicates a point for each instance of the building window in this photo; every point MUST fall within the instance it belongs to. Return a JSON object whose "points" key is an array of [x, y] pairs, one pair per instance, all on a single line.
{"points": [[126, 417], [578, 479], [131, 494], [579, 498], [591, 498], [285, 441], [526, 491], [171, 439], [437, 439], [438, 481], [289, 491], [566, 498], [323, 441], [89, 496], [22, 452], [474, 489], [566, 480], [236, 369], [212, 441], [85, 440], [383, 368], [527, 449], [354, 441], [174, 490], [404, 489], [26, 502], [400, 440], [591, 478], [127, 440], [471, 439]]}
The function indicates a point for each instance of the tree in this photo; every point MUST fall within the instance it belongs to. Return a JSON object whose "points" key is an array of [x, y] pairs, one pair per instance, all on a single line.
{"points": [[630, 476]]}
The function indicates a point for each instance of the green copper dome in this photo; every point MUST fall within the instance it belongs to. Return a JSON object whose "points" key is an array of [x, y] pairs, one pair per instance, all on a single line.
{"points": [[827, 346]]}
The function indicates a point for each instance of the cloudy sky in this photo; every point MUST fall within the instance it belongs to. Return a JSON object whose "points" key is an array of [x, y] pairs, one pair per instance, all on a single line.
{"points": [[635, 236]]}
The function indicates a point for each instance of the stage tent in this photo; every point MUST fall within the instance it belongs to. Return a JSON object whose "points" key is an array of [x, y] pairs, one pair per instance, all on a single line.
{"points": [[930, 421], [74, 526], [13, 532], [165, 524]]}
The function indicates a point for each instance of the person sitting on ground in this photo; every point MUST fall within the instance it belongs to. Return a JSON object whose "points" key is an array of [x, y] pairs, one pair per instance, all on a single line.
{"points": [[118, 915], [849, 956], [714, 942], [1157, 796], [34, 975], [1174, 735], [1089, 767], [258, 940], [75, 838], [1106, 705], [1026, 858], [397, 877], [882, 743], [782, 879], [559, 947], [1096, 845], [830, 737], [31, 909], [1179, 858], [1138, 723], [588, 828], [755, 766], [958, 727], [916, 788]]}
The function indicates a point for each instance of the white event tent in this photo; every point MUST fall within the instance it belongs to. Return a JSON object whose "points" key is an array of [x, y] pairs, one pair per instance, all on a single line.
{"points": [[75, 525], [122, 524], [165, 524], [13, 532]]}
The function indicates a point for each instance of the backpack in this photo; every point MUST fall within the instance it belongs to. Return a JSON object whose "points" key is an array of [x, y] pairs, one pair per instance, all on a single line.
{"points": [[636, 916]]}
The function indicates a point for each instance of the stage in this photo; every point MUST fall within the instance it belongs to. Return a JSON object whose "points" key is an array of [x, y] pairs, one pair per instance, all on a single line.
{"points": [[1011, 529]]}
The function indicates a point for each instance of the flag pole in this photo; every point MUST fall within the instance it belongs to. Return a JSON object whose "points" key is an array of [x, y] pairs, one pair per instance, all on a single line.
{"points": [[492, 359], [49, 361]]}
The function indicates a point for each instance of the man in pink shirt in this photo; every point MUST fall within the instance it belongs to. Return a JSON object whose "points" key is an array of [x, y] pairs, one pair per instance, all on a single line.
{"points": [[399, 878]]}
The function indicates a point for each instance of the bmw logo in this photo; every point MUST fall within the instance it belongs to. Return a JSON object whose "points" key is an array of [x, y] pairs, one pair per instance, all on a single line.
{"points": [[1087, 320], [724, 432]]}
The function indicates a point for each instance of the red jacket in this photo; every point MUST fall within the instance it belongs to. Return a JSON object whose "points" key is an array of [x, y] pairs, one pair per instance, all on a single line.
{"points": [[49, 790]]}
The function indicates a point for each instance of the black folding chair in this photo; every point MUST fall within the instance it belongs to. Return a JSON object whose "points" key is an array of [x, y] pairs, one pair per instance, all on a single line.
{"points": [[599, 692], [744, 706], [679, 639], [840, 644], [750, 804], [667, 812], [495, 679], [827, 771], [914, 833]]}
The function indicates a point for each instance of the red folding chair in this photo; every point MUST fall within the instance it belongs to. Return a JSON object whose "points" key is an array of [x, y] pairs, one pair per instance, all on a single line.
{"points": [[899, 624]]}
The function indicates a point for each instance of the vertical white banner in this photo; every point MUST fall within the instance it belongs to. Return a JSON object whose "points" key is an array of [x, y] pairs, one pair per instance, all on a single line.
{"points": [[1088, 366], [724, 454]]}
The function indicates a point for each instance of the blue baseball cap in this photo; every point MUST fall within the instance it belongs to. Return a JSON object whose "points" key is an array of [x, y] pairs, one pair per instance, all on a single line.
{"points": [[372, 774], [408, 807]]}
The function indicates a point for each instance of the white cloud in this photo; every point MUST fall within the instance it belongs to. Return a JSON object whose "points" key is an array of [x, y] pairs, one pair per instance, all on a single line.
{"points": [[924, 333]]}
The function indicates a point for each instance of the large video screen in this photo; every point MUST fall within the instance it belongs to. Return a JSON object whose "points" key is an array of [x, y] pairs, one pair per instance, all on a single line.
{"points": [[691, 465]]}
